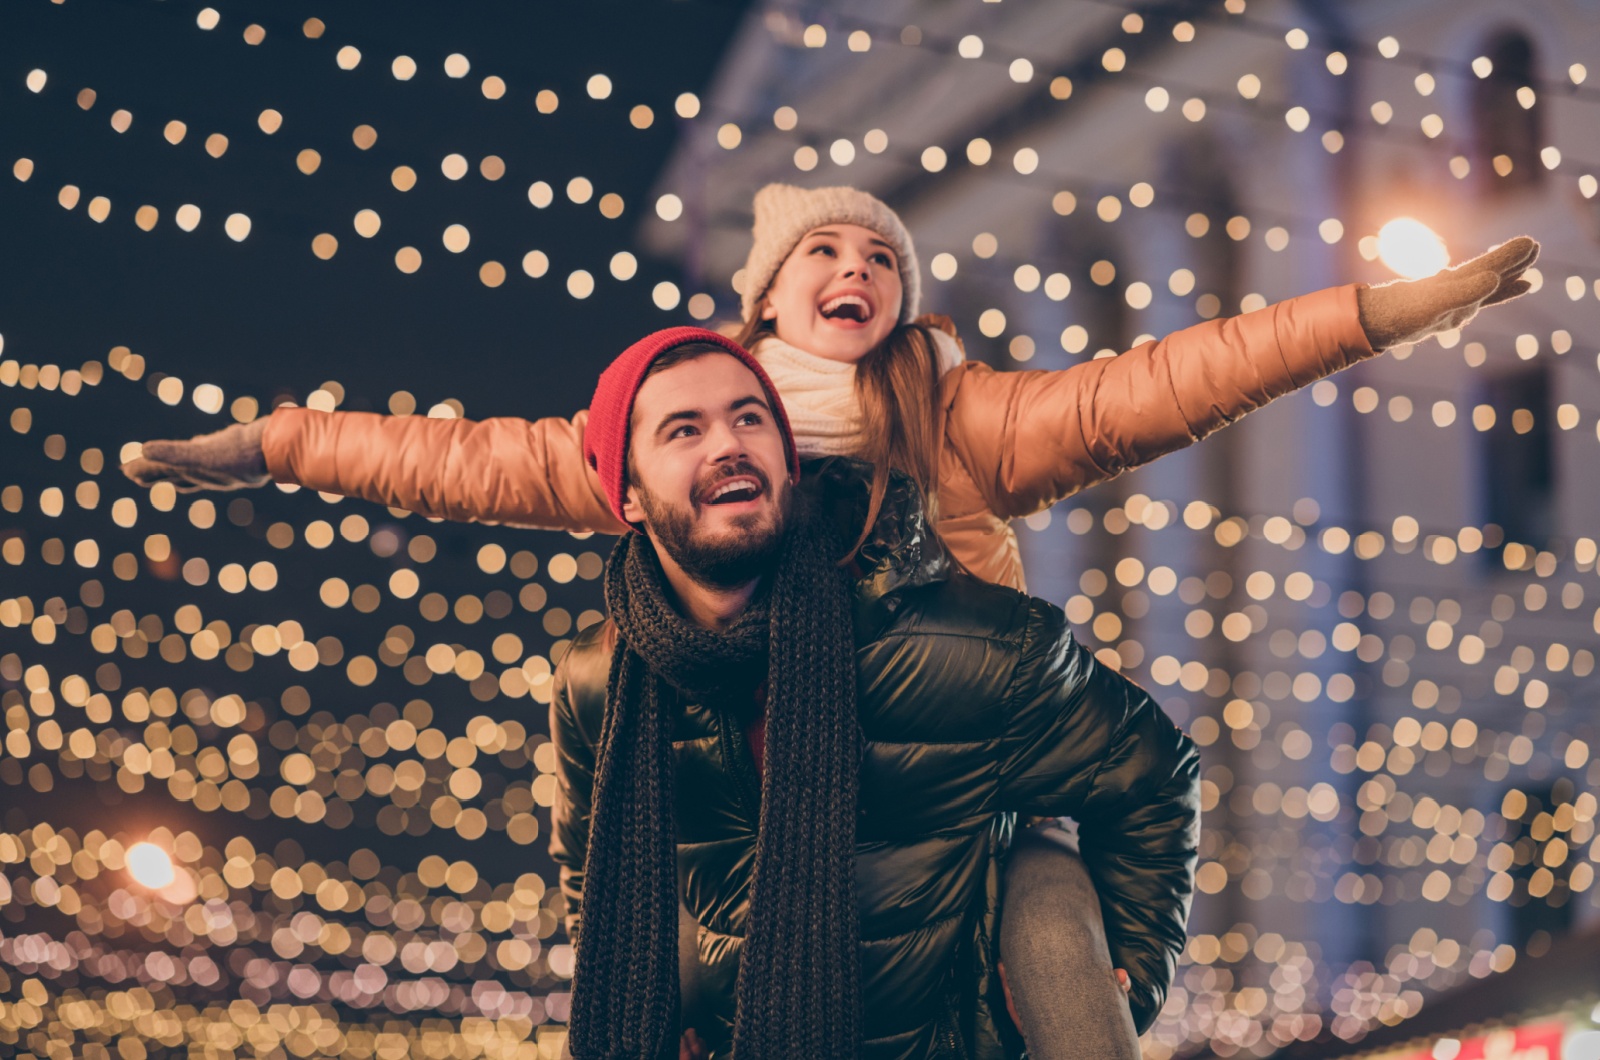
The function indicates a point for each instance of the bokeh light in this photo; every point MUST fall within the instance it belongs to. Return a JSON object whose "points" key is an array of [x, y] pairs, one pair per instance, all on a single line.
{"points": [[150, 865], [1411, 248]]}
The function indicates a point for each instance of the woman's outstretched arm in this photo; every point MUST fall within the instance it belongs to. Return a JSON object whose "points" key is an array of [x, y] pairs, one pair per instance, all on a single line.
{"points": [[1032, 438], [513, 471]]}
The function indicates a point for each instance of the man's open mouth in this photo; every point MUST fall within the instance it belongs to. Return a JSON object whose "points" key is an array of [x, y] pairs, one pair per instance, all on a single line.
{"points": [[850, 307], [737, 490]]}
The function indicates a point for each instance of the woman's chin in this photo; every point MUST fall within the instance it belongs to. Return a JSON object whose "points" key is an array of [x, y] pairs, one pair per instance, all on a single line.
{"points": [[845, 346], [834, 342]]}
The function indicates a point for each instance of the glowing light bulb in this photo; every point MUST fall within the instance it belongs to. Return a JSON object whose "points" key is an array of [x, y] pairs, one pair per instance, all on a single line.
{"points": [[150, 865], [1411, 248]]}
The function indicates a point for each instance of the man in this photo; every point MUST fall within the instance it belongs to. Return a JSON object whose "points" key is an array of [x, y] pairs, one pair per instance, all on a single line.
{"points": [[824, 764]]}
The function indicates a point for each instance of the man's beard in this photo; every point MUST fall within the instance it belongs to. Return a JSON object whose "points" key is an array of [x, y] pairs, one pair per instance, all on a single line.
{"points": [[735, 559]]}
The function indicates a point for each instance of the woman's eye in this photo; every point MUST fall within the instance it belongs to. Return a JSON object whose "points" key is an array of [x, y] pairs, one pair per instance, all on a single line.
{"points": [[822, 248], [883, 259]]}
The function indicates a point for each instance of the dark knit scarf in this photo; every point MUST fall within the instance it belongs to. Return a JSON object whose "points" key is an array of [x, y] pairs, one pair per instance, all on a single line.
{"points": [[799, 975]]}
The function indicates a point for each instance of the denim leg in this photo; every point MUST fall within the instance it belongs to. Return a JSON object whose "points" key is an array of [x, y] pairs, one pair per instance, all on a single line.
{"points": [[1053, 945]]}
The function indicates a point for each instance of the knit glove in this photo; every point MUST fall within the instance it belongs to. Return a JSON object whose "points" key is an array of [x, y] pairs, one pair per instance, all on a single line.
{"points": [[1411, 310], [229, 459]]}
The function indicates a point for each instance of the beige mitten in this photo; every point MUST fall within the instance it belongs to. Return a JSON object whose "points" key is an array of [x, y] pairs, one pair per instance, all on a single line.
{"points": [[1411, 310], [229, 459]]}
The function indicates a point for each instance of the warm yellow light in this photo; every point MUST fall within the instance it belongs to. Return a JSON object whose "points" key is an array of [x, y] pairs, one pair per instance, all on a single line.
{"points": [[150, 865], [1411, 248]]}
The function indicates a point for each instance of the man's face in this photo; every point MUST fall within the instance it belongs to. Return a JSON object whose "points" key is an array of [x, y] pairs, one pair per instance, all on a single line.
{"points": [[709, 475]]}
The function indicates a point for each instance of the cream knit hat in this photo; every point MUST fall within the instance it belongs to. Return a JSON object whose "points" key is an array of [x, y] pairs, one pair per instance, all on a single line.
{"points": [[785, 213]]}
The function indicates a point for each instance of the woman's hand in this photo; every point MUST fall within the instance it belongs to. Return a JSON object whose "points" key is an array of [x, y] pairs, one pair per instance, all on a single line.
{"points": [[690, 1047], [1411, 310], [229, 459]]}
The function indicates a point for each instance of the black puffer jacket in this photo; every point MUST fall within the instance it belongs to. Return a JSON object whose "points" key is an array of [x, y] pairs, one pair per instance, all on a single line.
{"points": [[976, 705]]}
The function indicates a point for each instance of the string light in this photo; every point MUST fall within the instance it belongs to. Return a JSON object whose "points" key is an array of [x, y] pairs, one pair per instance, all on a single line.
{"points": [[1025, 163]]}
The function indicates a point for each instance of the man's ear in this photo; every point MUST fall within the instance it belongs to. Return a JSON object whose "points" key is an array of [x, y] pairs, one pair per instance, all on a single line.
{"points": [[632, 509]]}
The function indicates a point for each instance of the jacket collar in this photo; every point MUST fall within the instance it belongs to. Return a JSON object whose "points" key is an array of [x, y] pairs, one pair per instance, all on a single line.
{"points": [[901, 552]]}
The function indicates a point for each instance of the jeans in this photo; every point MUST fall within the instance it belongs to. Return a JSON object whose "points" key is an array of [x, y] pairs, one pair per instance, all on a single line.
{"points": [[1052, 943]]}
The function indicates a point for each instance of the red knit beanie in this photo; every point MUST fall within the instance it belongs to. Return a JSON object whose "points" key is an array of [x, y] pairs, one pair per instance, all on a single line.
{"points": [[605, 439]]}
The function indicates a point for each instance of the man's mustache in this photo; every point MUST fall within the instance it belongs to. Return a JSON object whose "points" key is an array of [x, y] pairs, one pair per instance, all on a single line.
{"points": [[727, 471]]}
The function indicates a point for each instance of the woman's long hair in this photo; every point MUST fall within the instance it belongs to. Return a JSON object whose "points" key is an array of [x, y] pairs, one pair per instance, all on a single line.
{"points": [[897, 383]]}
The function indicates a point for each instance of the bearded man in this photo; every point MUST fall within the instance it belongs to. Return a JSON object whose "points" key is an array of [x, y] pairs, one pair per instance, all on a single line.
{"points": [[824, 763]]}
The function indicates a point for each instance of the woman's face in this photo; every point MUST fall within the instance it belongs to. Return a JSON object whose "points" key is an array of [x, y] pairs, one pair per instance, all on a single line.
{"points": [[837, 294]]}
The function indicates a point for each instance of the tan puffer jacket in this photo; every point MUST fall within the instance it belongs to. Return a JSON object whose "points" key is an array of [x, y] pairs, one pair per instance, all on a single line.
{"points": [[1014, 443]]}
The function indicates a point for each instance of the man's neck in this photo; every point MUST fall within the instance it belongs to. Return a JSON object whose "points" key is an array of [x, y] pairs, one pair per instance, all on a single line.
{"points": [[709, 608]]}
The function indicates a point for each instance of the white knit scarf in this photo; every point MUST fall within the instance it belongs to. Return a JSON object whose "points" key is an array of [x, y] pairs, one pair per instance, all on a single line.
{"points": [[820, 395]]}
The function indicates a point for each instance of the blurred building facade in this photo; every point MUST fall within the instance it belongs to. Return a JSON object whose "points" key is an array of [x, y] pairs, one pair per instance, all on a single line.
{"points": [[1374, 601]]}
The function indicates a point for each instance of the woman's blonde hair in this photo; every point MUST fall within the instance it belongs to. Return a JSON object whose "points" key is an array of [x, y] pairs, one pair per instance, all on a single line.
{"points": [[897, 384]]}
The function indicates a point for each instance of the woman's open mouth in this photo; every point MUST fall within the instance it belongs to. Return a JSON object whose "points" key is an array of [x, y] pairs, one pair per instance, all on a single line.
{"points": [[847, 309]]}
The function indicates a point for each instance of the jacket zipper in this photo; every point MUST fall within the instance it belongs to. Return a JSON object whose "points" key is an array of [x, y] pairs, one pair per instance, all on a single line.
{"points": [[741, 765]]}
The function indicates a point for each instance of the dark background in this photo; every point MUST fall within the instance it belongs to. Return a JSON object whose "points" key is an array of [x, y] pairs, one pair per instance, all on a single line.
{"points": [[266, 318], [265, 314]]}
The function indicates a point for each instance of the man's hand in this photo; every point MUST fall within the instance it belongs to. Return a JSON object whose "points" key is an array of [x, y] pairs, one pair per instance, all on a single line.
{"points": [[229, 459], [690, 1047], [1411, 310]]}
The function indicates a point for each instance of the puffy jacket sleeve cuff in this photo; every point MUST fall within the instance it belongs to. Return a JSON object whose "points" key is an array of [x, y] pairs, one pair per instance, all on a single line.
{"points": [[284, 440], [1320, 333]]}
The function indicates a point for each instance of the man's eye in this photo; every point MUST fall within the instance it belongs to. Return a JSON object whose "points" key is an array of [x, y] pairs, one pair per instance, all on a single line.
{"points": [[752, 419], [682, 432]]}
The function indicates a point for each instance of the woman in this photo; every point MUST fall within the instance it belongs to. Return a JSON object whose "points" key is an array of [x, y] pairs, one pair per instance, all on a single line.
{"points": [[830, 307]]}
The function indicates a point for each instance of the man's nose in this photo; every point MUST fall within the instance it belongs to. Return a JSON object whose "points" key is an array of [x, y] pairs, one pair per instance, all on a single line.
{"points": [[726, 444]]}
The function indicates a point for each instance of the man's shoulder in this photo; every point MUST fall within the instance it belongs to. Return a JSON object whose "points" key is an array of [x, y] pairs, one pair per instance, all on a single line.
{"points": [[965, 606], [582, 673], [953, 661]]}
